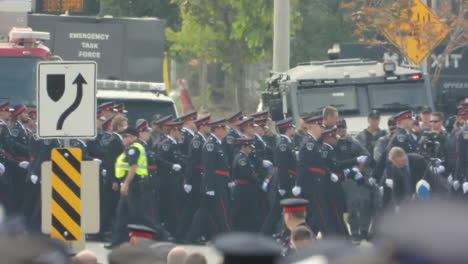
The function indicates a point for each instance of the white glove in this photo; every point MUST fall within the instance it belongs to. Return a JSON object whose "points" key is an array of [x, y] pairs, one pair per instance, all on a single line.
{"points": [[231, 184], [104, 172], [465, 187], [281, 192], [210, 193], [2, 168], [98, 161], [381, 190], [358, 176], [334, 177], [439, 170], [297, 155], [389, 183], [450, 179], [346, 172], [176, 167], [456, 185], [34, 179], [266, 164], [187, 188], [296, 190], [361, 159], [24, 164], [265, 185], [372, 181]]}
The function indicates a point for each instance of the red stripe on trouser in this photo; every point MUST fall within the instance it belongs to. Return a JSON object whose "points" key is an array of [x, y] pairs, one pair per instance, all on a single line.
{"points": [[337, 215], [223, 173], [226, 221], [241, 182], [292, 172], [317, 170], [321, 215]]}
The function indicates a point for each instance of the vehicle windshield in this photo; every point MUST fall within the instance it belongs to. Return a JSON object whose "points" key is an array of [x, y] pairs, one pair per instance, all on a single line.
{"points": [[394, 97], [343, 98], [18, 79], [146, 109]]}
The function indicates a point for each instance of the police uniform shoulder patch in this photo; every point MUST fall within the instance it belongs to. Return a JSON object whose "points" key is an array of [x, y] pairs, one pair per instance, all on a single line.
{"points": [[309, 146], [196, 143], [230, 140], [465, 135], [15, 132], [166, 146], [131, 151], [283, 147], [106, 139], [210, 146], [242, 162], [401, 138]]}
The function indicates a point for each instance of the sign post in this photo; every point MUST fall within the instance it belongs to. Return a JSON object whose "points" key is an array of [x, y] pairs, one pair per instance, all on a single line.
{"points": [[66, 102]]}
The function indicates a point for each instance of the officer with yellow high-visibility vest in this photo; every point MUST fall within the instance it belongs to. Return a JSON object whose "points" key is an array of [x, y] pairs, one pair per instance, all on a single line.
{"points": [[132, 172]]}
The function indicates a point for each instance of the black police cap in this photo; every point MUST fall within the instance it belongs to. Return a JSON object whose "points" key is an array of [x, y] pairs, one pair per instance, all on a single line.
{"points": [[243, 248], [141, 231], [374, 114], [294, 204], [341, 123], [130, 131]]}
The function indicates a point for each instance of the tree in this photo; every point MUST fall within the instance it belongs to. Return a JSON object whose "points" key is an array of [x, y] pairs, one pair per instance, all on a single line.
{"points": [[375, 18], [229, 32], [322, 25]]}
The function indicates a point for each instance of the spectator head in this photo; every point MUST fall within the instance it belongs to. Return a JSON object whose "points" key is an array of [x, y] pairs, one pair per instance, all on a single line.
{"points": [[131, 254], [161, 251], [398, 157], [196, 258], [330, 116], [425, 115], [177, 255], [85, 257], [302, 123], [301, 237], [437, 120], [342, 128], [373, 119], [294, 211]]}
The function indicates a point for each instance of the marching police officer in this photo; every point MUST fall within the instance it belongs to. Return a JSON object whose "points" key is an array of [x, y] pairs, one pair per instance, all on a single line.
{"points": [[403, 137], [294, 215], [230, 139], [216, 179], [246, 188], [461, 170], [106, 110], [188, 130], [193, 177], [311, 178], [158, 133], [170, 162], [285, 161]]}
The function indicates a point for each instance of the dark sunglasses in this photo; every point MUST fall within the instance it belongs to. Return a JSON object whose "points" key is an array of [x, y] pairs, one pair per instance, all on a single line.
{"points": [[434, 121]]}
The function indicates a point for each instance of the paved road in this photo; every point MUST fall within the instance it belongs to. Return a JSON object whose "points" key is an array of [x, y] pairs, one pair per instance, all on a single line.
{"points": [[211, 254]]}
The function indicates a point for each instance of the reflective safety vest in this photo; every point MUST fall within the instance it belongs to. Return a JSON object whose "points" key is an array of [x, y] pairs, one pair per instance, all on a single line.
{"points": [[121, 166]]}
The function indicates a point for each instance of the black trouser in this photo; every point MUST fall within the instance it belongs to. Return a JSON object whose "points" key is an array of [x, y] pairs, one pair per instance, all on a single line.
{"points": [[169, 202], [337, 206], [201, 222], [360, 207], [32, 206], [130, 210], [191, 205], [218, 208], [109, 204], [245, 208], [17, 192]]}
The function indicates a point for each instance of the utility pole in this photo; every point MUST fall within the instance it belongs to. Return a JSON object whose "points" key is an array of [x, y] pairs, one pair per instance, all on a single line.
{"points": [[281, 36]]}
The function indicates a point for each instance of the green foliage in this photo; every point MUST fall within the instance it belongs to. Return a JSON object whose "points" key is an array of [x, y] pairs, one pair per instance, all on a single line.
{"points": [[322, 26]]}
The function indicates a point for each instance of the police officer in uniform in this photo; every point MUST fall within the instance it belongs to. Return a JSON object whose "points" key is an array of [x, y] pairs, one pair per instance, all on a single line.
{"points": [[461, 170], [246, 188], [216, 179], [230, 139], [192, 177], [294, 215], [403, 137], [170, 161], [106, 110], [311, 178], [285, 161], [158, 134], [132, 172], [188, 131], [20, 152], [335, 168]]}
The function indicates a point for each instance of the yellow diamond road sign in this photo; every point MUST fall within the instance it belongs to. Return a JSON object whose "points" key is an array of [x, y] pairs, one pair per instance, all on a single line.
{"points": [[419, 34]]}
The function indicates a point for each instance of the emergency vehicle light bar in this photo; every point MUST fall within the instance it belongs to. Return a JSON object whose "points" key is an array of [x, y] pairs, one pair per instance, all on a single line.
{"points": [[21, 34], [131, 86]]}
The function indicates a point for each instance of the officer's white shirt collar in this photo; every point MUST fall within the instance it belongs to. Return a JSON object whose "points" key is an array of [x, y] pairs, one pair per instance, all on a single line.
{"points": [[21, 124], [203, 136], [217, 139], [314, 137], [82, 142], [259, 138], [189, 130], [238, 132], [329, 145], [172, 139], [288, 138]]}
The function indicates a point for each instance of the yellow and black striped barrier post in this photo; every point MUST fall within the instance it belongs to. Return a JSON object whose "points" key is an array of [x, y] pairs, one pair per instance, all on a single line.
{"points": [[66, 194]]}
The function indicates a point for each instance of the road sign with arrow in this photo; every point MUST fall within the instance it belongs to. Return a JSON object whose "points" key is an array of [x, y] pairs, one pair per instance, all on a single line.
{"points": [[66, 99]]}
